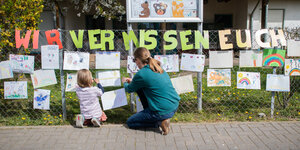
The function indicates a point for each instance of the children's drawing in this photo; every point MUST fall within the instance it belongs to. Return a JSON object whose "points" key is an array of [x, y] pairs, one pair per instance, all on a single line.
{"points": [[22, 63], [114, 99], [273, 57], [107, 60], [41, 78], [109, 78], [292, 67], [50, 57], [160, 8], [220, 59], [293, 48], [248, 80], [192, 62], [140, 8], [218, 77], [183, 84], [170, 63], [5, 70], [251, 58], [139, 106], [76, 60], [189, 4], [41, 99], [131, 66], [278, 83], [15, 90], [71, 82], [190, 13], [177, 8]]}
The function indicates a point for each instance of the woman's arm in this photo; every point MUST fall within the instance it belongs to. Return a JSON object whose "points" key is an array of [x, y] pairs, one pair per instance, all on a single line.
{"points": [[133, 85]]}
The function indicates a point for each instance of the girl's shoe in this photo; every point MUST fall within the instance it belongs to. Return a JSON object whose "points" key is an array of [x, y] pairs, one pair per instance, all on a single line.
{"points": [[79, 121], [165, 126], [96, 122]]}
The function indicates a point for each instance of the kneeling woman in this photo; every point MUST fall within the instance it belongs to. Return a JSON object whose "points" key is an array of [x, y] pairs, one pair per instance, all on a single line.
{"points": [[156, 92]]}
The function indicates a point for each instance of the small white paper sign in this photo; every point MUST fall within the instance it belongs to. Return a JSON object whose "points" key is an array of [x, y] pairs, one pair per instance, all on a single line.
{"points": [[183, 84], [109, 78], [50, 57], [170, 63], [114, 99], [107, 60], [5, 70], [192, 62], [292, 67], [248, 80], [139, 106], [41, 99], [278, 83], [41, 78], [293, 48], [22, 63], [15, 90], [76, 60], [71, 82], [220, 59], [251, 58], [131, 66]]}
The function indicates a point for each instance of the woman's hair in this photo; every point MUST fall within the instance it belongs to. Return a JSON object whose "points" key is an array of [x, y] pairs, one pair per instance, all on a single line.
{"points": [[144, 55], [84, 78]]}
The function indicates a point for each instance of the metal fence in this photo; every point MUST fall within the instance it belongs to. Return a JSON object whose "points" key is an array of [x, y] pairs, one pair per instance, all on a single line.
{"points": [[218, 103]]}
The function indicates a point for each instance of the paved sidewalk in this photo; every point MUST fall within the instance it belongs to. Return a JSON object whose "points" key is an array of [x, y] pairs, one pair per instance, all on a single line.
{"points": [[257, 135]]}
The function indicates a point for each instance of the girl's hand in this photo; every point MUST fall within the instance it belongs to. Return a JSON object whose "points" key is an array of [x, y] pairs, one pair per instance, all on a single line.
{"points": [[96, 80]]}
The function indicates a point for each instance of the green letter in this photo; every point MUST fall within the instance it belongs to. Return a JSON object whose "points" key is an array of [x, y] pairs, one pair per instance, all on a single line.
{"points": [[77, 41], [109, 39], [145, 36], [172, 40], [93, 39], [184, 40], [199, 39], [128, 38]]}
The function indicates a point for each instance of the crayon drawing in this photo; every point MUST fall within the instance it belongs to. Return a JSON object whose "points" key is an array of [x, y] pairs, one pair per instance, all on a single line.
{"points": [[114, 99], [160, 8], [15, 90], [273, 57], [109, 78], [248, 80], [107, 60], [170, 63], [41, 78], [41, 99], [22, 63], [278, 83], [76, 60], [50, 57], [218, 77], [177, 8], [71, 84], [131, 66], [250, 58], [192, 62], [5, 70], [292, 67]]}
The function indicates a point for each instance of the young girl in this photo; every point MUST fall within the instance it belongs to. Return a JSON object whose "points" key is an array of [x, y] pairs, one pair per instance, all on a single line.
{"points": [[91, 113]]}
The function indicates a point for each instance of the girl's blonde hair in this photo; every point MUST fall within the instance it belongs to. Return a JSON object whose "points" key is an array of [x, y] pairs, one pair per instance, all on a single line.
{"points": [[84, 78], [144, 55]]}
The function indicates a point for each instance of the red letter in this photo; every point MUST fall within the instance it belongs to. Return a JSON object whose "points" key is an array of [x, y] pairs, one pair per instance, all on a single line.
{"points": [[53, 39], [23, 41], [35, 40]]}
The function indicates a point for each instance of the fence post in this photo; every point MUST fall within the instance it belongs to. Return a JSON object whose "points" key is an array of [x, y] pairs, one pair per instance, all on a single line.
{"points": [[62, 80], [132, 108], [273, 97], [199, 74]]}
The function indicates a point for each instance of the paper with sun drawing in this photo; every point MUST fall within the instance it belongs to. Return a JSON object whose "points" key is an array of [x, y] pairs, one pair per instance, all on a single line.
{"points": [[22, 63], [76, 60], [220, 59], [50, 57], [109, 78], [139, 106], [248, 80], [41, 78], [170, 63], [131, 66], [192, 62], [41, 99], [251, 58], [278, 83], [107, 60], [292, 67], [160, 8], [71, 82], [114, 99], [183, 84], [15, 90], [218, 77], [293, 48], [5, 70]]}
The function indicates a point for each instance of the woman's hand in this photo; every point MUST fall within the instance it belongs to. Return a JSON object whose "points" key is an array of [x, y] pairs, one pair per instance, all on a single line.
{"points": [[128, 80], [96, 80]]}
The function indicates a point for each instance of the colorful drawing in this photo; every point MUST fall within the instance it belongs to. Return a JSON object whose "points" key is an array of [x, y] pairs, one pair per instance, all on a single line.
{"points": [[190, 13], [293, 48], [220, 59], [218, 77], [146, 11], [170, 63], [76, 60], [251, 58], [107, 60], [5, 70], [50, 57], [41, 99], [192, 62], [183, 84], [109, 78], [248, 80], [131, 66], [71, 84], [278, 83], [141, 8], [41, 78], [114, 99], [15, 90], [273, 57], [292, 67], [22, 63], [177, 8], [160, 8]]}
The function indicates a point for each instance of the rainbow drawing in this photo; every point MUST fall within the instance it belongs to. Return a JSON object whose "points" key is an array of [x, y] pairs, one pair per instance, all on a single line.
{"points": [[273, 57], [294, 71], [244, 80]]}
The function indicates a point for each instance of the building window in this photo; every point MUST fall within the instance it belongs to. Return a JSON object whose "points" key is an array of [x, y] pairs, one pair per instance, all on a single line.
{"points": [[223, 21]]}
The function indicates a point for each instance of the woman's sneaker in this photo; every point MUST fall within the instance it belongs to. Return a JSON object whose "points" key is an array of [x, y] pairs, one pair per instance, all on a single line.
{"points": [[79, 121], [165, 126], [96, 122]]}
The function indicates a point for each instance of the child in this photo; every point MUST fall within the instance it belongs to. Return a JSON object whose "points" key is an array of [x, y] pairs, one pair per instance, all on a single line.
{"points": [[91, 113]]}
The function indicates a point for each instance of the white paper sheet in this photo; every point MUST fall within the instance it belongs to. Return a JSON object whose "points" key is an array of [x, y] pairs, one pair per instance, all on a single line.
{"points": [[218, 77], [292, 67], [41, 78], [114, 99], [170, 63], [251, 58], [131, 66], [5, 70], [15, 90], [192, 62], [41, 99], [183, 84], [248, 80], [76, 60], [220, 59], [107, 60], [71, 84], [278, 83], [50, 57], [293, 48], [109, 78], [22, 63], [139, 106]]}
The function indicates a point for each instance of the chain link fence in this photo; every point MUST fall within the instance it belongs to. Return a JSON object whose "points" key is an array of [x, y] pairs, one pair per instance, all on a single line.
{"points": [[218, 103]]}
